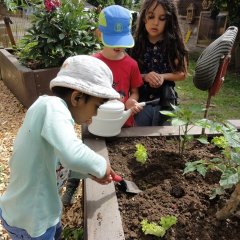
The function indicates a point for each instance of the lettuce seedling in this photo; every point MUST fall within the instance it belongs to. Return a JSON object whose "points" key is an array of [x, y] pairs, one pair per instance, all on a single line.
{"points": [[158, 230], [141, 153]]}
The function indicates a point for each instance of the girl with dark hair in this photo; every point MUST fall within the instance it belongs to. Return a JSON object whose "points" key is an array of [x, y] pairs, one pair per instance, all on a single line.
{"points": [[162, 58]]}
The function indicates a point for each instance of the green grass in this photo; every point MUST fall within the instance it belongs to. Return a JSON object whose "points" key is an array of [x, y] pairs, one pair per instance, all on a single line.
{"points": [[224, 105]]}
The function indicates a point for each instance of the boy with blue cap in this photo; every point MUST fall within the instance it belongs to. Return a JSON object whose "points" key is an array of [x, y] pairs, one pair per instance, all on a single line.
{"points": [[115, 33], [31, 206]]}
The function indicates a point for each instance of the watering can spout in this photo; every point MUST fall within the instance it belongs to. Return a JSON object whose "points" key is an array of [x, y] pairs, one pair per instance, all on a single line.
{"points": [[126, 114]]}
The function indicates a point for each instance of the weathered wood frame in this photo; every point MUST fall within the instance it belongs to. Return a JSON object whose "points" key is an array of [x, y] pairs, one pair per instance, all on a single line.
{"points": [[26, 84]]}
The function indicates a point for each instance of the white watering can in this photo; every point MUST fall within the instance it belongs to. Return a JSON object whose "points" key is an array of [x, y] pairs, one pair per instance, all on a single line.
{"points": [[111, 117]]}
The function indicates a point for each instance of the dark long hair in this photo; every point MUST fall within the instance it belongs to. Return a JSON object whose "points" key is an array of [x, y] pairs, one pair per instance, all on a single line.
{"points": [[173, 40]]}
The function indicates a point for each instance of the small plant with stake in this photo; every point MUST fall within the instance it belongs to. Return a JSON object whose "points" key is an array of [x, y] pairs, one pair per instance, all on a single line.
{"points": [[184, 119]]}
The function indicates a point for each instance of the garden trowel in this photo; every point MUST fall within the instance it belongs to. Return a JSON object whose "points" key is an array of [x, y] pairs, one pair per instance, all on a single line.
{"points": [[125, 185]]}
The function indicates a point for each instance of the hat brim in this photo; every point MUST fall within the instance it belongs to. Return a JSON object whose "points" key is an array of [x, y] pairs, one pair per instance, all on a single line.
{"points": [[117, 40], [92, 90]]}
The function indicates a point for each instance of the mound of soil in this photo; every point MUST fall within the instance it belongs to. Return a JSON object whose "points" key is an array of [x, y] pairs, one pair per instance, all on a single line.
{"points": [[166, 191]]}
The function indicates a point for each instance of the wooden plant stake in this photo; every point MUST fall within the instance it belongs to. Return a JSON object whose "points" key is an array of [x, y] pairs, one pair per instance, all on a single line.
{"points": [[231, 204], [7, 22], [217, 84]]}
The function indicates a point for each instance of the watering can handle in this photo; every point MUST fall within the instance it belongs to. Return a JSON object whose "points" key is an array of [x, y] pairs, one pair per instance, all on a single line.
{"points": [[153, 102]]}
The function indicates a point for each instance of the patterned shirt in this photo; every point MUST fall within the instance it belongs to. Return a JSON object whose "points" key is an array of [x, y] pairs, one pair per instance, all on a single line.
{"points": [[156, 59]]}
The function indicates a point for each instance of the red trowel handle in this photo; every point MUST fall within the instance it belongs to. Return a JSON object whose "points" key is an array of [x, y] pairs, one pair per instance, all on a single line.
{"points": [[117, 178]]}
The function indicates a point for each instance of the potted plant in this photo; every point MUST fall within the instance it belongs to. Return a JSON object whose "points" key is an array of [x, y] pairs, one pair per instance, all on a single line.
{"points": [[59, 29]]}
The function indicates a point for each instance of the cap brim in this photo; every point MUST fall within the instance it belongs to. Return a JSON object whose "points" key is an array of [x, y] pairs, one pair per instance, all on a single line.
{"points": [[93, 90], [117, 40]]}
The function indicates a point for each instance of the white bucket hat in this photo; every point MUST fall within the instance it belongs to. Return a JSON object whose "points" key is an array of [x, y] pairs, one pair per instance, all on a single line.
{"points": [[86, 74]]}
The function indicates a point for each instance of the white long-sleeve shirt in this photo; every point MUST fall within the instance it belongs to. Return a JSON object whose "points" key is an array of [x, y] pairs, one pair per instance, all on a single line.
{"points": [[47, 136]]}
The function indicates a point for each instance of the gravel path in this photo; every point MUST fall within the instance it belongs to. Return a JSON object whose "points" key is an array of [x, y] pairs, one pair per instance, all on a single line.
{"points": [[12, 114]]}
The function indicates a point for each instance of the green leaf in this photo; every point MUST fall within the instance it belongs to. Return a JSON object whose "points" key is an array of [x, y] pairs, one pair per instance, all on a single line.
{"points": [[178, 122], [152, 229], [228, 179], [168, 221], [141, 153], [202, 169], [192, 166], [168, 113], [217, 191], [203, 140], [189, 167]]}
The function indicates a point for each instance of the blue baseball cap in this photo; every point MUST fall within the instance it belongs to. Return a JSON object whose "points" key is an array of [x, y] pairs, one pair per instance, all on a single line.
{"points": [[115, 25]]}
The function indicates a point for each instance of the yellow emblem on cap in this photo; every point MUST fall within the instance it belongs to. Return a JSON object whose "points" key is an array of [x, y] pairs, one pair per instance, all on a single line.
{"points": [[102, 20]]}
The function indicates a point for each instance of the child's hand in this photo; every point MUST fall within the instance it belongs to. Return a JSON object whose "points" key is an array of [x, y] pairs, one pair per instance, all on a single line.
{"points": [[154, 79], [136, 108], [133, 104], [107, 178]]}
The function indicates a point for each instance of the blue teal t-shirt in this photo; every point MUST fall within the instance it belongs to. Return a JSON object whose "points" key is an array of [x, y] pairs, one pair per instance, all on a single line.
{"points": [[47, 137]]}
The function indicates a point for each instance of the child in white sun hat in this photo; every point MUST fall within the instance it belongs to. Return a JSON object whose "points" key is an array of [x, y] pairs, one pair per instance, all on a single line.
{"points": [[31, 206], [114, 27]]}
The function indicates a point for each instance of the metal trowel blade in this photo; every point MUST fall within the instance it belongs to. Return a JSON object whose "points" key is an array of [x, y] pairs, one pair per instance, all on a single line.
{"points": [[131, 187]]}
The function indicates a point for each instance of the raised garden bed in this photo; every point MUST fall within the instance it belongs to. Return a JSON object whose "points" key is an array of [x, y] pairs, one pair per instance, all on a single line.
{"points": [[26, 84], [117, 216], [166, 191]]}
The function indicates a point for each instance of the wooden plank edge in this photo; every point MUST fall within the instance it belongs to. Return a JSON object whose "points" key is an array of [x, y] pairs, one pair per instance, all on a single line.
{"points": [[156, 131], [102, 220]]}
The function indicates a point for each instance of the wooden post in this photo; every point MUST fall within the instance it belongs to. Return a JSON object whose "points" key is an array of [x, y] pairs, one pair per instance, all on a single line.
{"points": [[218, 82], [7, 22], [231, 204]]}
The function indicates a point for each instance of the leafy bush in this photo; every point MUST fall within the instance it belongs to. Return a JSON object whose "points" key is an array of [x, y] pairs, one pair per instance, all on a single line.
{"points": [[58, 32], [73, 234], [228, 164]]}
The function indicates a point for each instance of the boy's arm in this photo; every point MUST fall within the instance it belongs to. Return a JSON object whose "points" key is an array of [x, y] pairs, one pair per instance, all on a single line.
{"points": [[132, 101], [133, 98]]}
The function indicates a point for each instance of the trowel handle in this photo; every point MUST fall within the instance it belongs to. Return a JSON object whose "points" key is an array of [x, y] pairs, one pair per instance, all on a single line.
{"points": [[117, 178], [155, 101], [142, 104]]}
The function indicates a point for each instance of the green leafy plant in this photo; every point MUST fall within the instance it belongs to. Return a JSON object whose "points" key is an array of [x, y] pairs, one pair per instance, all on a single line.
{"points": [[73, 234], [160, 229], [12, 5], [184, 118], [57, 32], [141, 153], [229, 164]]}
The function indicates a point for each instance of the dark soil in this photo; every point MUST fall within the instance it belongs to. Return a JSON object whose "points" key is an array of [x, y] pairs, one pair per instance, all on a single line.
{"points": [[166, 191]]}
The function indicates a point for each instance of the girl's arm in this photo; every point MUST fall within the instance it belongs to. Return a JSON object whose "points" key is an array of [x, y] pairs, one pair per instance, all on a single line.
{"points": [[177, 76], [155, 80]]}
